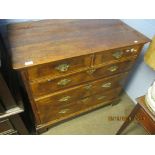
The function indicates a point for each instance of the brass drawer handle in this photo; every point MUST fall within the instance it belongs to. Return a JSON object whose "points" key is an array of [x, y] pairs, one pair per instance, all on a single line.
{"points": [[88, 87], [62, 67], [131, 50], [63, 82], [113, 68], [91, 71], [117, 54], [101, 97], [106, 85], [64, 99], [63, 111], [85, 99]]}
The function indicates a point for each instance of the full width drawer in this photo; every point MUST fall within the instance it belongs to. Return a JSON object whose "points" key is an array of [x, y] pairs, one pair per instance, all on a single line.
{"points": [[49, 86], [117, 54], [68, 96], [48, 112], [59, 68]]}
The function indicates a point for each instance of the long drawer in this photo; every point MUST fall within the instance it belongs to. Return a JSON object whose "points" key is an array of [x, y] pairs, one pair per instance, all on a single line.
{"points": [[48, 112], [59, 68], [48, 86], [69, 95]]}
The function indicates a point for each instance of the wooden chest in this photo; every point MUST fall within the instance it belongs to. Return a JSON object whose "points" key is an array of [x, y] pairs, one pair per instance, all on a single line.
{"points": [[72, 66]]}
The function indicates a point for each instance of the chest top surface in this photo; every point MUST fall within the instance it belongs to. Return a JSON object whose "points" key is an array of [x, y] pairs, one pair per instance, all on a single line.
{"points": [[44, 41]]}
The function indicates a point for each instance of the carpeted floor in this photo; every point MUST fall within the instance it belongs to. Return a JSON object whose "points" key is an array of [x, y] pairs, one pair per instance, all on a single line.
{"points": [[100, 122]]}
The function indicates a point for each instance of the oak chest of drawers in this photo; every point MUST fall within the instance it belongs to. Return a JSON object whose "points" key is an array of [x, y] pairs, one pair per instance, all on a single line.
{"points": [[69, 67]]}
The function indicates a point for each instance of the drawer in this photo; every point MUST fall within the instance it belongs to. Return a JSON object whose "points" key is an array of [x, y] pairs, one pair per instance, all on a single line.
{"points": [[63, 98], [112, 69], [47, 112], [68, 96], [117, 54], [101, 97], [49, 86], [59, 68], [6, 127]]}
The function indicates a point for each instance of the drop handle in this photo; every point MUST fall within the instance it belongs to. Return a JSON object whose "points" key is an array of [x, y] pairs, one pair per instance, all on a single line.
{"points": [[106, 85], [101, 97], [84, 100], [117, 54], [64, 82], [88, 87], [62, 67], [113, 68], [64, 99]]}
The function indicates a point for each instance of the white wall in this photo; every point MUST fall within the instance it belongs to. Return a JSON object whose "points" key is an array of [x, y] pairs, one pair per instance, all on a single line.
{"points": [[141, 76]]}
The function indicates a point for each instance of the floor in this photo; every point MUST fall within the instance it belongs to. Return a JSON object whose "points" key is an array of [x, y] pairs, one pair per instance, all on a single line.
{"points": [[104, 121]]}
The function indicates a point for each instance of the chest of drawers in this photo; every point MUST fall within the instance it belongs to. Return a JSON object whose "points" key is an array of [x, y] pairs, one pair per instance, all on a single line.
{"points": [[69, 67], [10, 110]]}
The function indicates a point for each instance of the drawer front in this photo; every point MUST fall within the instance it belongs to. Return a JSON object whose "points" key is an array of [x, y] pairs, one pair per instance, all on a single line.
{"points": [[6, 127], [63, 98], [49, 86], [53, 114], [112, 69], [103, 85], [146, 121], [101, 97], [117, 54], [48, 112], [60, 67]]}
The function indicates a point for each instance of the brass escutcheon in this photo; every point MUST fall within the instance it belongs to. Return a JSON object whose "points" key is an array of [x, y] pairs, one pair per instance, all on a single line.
{"points": [[91, 71]]}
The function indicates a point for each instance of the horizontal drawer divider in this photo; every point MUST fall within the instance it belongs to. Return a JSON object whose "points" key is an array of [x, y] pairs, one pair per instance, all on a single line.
{"points": [[80, 70]]}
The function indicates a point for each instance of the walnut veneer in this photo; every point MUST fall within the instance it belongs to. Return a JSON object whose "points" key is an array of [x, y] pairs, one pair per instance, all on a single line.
{"points": [[69, 67]]}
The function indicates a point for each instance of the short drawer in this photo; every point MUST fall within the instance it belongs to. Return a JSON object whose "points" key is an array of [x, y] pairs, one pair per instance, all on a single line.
{"points": [[117, 54], [48, 112], [112, 69], [6, 127], [49, 86], [59, 68]]}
